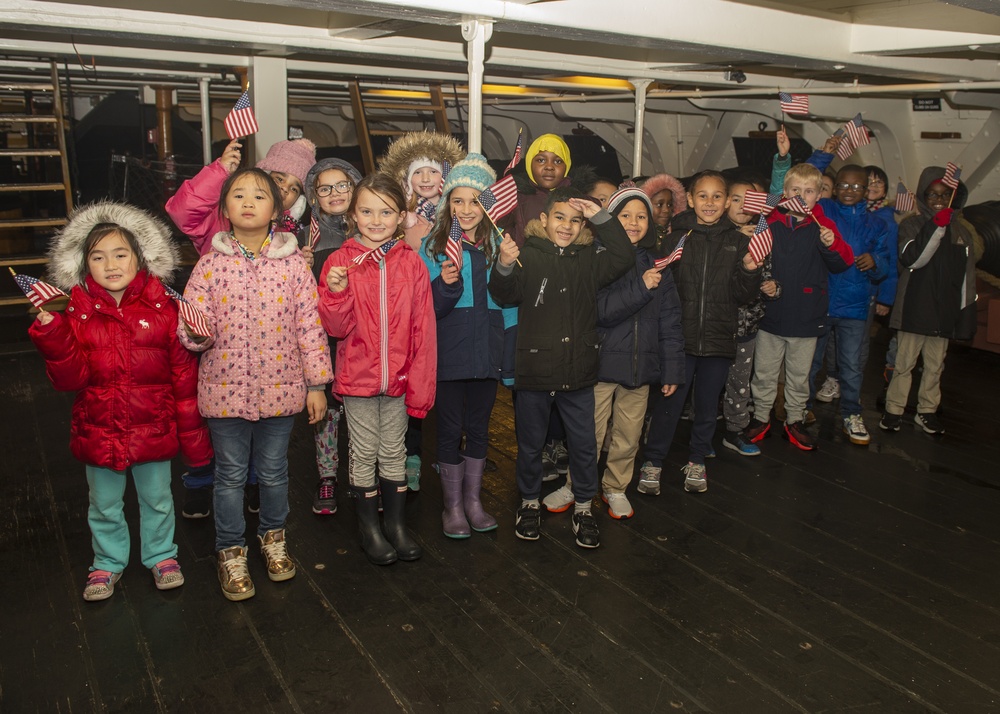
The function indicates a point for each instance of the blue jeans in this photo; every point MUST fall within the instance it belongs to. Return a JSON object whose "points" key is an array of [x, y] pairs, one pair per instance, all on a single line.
{"points": [[106, 517], [851, 336], [233, 440]]}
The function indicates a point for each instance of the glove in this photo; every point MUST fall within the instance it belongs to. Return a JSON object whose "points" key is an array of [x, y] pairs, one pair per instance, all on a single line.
{"points": [[943, 217]]}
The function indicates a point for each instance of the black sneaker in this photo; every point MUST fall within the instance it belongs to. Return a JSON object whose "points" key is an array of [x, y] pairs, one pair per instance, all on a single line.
{"points": [[585, 529], [890, 422], [197, 502], [528, 523], [929, 422], [756, 431], [251, 495]]}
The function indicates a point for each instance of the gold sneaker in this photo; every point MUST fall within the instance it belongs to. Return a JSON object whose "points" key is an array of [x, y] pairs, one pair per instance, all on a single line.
{"points": [[272, 547], [233, 574]]}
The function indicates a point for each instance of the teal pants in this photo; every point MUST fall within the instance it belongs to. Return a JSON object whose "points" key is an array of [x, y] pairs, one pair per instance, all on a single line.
{"points": [[106, 515]]}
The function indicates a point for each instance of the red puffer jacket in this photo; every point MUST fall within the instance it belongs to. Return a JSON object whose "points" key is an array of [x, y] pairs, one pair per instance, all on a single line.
{"points": [[385, 325], [137, 386]]}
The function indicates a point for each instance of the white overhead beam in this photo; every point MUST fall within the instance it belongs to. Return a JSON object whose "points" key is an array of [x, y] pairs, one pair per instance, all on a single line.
{"points": [[887, 40]]}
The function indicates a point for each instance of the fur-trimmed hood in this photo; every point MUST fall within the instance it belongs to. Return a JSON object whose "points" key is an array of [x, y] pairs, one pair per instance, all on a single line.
{"points": [[282, 245], [158, 253], [535, 228], [654, 184], [419, 145]]}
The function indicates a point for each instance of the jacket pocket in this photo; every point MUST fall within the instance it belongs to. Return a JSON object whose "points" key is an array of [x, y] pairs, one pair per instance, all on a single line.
{"points": [[534, 357], [589, 355]]}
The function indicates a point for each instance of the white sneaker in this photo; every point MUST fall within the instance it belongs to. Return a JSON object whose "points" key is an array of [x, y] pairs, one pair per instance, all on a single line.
{"points": [[855, 429], [618, 505], [829, 391], [694, 477], [560, 499], [649, 480]]}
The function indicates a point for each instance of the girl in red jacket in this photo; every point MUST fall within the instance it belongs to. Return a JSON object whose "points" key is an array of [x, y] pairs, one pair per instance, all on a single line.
{"points": [[136, 405], [375, 298]]}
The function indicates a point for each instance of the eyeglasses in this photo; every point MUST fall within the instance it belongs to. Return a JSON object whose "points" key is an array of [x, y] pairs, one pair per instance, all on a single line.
{"points": [[852, 186], [944, 195], [340, 187], [876, 182]]}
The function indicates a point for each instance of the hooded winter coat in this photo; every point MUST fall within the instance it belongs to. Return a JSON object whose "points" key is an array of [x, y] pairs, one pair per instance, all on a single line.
{"points": [[136, 384], [332, 229], [712, 283], [851, 291], [385, 326], [936, 293], [556, 289], [268, 345]]}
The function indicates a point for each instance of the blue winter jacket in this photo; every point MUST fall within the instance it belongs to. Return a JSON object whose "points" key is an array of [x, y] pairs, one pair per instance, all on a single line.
{"points": [[851, 292], [640, 329], [887, 288], [470, 325]]}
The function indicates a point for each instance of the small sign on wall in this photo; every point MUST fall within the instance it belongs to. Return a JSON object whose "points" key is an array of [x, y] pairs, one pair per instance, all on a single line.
{"points": [[926, 104]]}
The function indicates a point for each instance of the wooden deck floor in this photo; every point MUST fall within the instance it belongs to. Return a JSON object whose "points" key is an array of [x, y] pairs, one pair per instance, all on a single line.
{"points": [[850, 579]]}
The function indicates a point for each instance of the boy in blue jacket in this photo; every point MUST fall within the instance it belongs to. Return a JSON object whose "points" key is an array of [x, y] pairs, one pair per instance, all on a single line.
{"points": [[554, 280], [852, 292]]}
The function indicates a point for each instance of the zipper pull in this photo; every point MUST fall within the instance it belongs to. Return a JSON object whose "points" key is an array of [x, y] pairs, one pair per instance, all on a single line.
{"points": [[540, 300]]}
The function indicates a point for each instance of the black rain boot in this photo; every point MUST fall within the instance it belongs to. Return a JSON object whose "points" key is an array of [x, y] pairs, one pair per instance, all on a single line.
{"points": [[394, 504], [377, 549]]}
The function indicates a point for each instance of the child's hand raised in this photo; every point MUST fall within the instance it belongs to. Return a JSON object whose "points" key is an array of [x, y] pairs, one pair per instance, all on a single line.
{"points": [[232, 156], [588, 208], [509, 251], [784, 145], [826, 236], [831, 145], [44, 317], [652, 278], [336, 278], [449, 273]]}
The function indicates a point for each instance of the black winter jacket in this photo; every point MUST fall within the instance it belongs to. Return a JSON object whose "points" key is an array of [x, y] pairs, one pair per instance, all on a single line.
{"points": [[712, 284], [556, 291], [640, 329]]}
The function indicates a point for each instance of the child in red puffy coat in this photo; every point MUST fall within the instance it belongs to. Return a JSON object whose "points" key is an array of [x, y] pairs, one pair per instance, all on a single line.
{"points": [[116, 345]]}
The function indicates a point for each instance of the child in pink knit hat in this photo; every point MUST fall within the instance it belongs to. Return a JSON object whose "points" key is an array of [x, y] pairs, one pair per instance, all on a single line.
{"points": [[195, 207]]}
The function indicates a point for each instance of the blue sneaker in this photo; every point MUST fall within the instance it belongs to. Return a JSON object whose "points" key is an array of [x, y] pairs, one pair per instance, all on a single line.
{"points": [[740, 444], [413, 472]]}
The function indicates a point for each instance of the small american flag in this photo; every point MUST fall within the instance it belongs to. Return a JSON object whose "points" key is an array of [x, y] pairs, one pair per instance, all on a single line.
{"points": [[445, 170], [377, 254], [517, 153], [240, 121], [760, 202], [192, 316], [37, 291], [425, 209], [952, 175], [674, 256], [499, 199], [855, 134], [905, 201], [314, 234], [794, 103], [760, 243], [453, 248], [794, 204]]}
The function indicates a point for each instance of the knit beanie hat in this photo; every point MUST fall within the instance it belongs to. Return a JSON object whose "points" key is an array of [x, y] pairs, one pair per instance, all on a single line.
{"points": [[471, 172], [294, 156], [621, 198], [547, 142], [420, 163]]}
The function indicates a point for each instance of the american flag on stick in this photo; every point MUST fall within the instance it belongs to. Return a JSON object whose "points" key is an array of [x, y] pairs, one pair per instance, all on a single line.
{"points": [[905, 201], [240, 121], [794, 103], [517, 153], [192, 316], [674, 256], [760, 243], [377, 254], [314, 234], [453, 248], [794, 204], [37, 291], [855, 134], [499, 199], [952, 175], [760, 202]]}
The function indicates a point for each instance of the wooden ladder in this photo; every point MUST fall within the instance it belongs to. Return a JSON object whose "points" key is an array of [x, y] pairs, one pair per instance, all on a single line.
{"points": [[359, 108], [35, 159]]}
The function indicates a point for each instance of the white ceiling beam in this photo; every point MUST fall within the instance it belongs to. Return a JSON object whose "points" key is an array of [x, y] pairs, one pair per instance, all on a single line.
{"points": [[869, 39]]}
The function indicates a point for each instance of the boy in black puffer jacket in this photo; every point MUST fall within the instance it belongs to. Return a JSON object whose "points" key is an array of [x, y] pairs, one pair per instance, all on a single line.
{"points": [[554, 280], [714, 277]]}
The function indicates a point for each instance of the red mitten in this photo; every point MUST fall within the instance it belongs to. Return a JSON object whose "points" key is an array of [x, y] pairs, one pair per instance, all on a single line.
{"points": [[943, 217]]}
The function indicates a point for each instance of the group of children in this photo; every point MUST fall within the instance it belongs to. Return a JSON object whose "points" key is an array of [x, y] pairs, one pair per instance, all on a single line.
{"points": [[602, 312]]}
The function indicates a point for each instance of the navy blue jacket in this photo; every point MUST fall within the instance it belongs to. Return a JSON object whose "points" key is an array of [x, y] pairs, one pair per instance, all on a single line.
{"points": [[640, 329], [469, 324], [801, 264]]}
